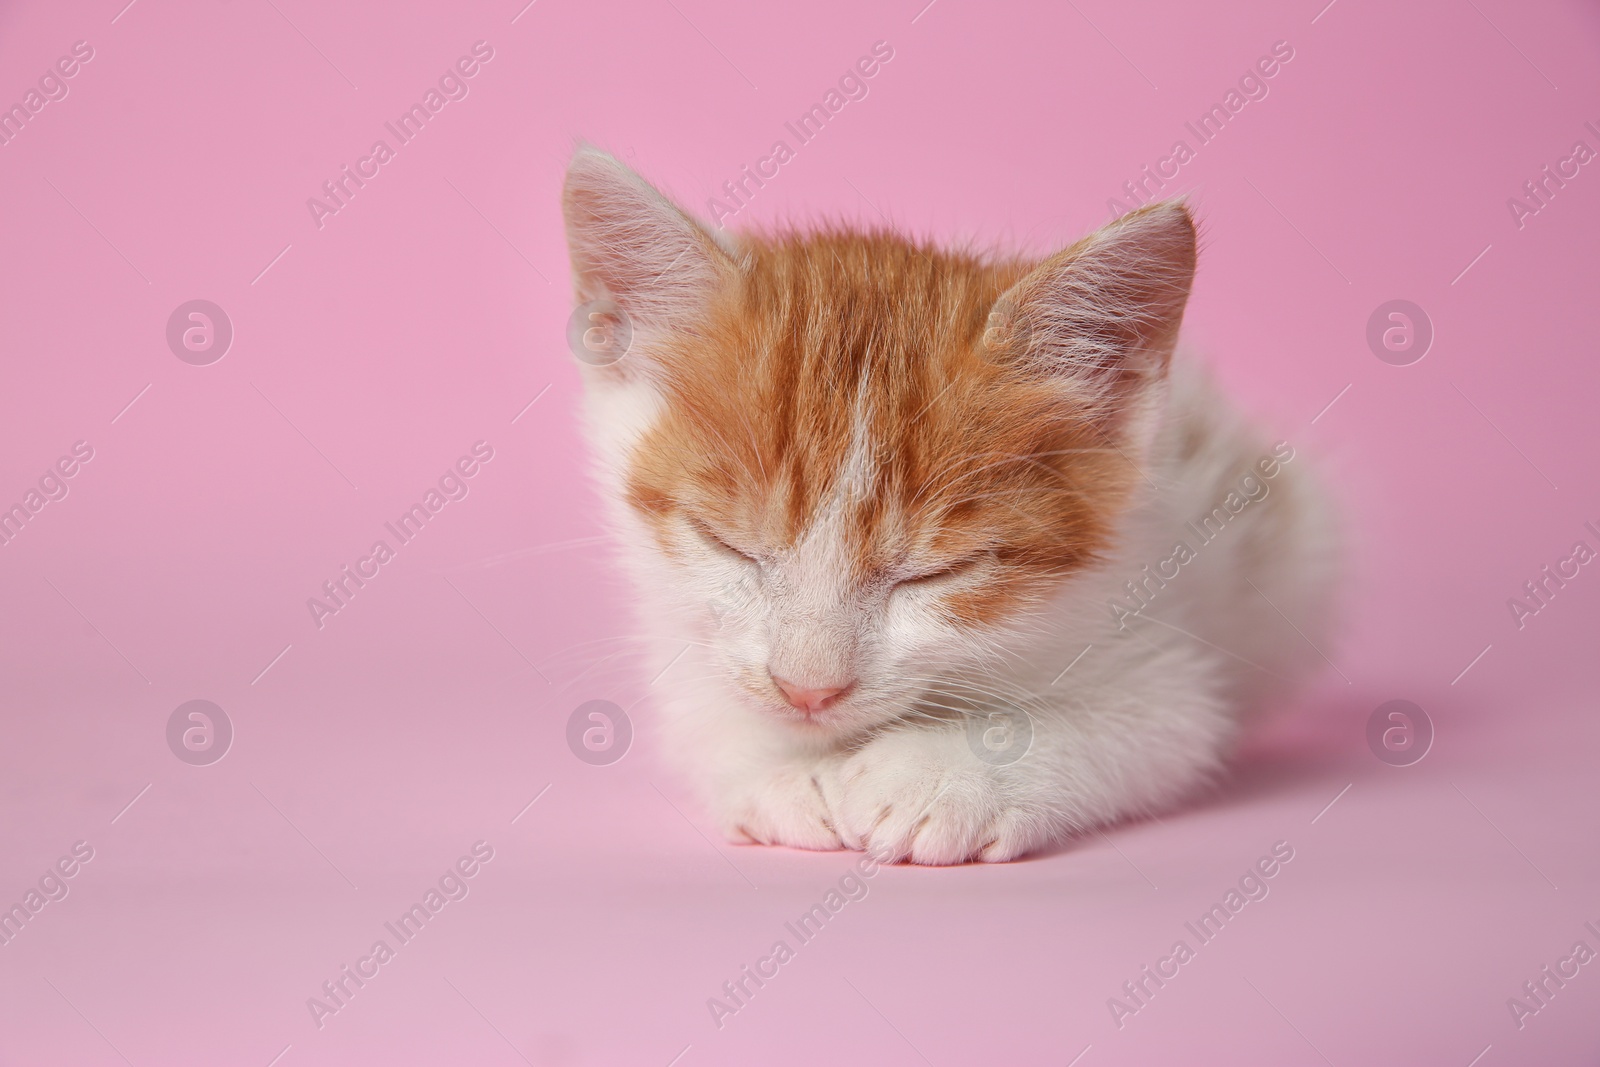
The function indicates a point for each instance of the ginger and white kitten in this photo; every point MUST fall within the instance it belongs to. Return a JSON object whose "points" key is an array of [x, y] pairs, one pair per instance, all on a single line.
{"points": [[877, 498]]}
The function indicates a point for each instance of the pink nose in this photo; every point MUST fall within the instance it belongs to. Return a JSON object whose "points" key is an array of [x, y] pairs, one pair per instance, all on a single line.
{"points": [[808, 700]]}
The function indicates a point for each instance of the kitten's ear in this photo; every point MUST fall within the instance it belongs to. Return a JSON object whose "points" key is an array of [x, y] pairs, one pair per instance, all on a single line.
{"points": [[1102, 316], [632, 245]]}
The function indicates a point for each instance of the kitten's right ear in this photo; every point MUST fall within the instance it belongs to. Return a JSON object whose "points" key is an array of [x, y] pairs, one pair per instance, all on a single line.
{"points": [[634, 246]]}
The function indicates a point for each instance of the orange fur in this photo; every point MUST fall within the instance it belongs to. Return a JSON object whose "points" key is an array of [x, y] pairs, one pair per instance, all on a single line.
{"points": [[972, 453], [934, 477]]}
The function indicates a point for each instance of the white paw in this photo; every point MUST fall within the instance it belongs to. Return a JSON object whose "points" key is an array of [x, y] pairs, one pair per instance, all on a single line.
{"points": [[779, 807], [922, 795]]}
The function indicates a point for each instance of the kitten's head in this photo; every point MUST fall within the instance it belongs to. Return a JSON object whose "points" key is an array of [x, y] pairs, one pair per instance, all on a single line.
{"points": [[856, 462]]}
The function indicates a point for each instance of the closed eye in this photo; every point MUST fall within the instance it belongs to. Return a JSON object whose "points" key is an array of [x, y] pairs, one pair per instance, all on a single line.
{"points": [[945, 572], [715, 540]]}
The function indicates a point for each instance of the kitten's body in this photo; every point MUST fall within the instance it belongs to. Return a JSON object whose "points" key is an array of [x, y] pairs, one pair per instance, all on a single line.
{"points": [[919, 483]]}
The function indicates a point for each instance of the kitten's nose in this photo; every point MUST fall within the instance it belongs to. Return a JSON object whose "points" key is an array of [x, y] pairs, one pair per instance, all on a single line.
{"points": [[808, 699]]}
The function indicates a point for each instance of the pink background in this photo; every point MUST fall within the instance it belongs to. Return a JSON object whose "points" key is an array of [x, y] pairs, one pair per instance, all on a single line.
{"points": [[429, 312]]}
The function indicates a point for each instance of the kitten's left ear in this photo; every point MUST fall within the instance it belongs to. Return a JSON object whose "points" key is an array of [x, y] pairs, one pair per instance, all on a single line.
{"points": [[1102, 316], [633, 245]]}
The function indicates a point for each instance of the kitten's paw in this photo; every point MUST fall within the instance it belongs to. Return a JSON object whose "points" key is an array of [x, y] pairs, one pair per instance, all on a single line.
{"points": [[923, 796], [783, 807]]}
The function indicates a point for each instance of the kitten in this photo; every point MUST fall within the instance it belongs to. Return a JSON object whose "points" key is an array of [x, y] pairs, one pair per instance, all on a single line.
{"points": [[964, 559]]}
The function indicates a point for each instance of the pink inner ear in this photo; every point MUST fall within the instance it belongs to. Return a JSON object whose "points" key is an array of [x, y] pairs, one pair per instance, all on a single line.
{"points": [[631, 243], [1103, 314]]}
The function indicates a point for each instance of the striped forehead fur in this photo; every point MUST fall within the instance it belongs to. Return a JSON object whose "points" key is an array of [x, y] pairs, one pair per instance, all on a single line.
{"points": [[839, 353]]}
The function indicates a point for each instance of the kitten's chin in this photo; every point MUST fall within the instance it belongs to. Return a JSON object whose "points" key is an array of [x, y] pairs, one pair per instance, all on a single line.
{"points": [[831, 724], [824, 724]]}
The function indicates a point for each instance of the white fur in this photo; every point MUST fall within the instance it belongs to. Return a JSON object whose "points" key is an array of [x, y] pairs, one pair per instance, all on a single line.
{"points": [[1143, 717]]}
